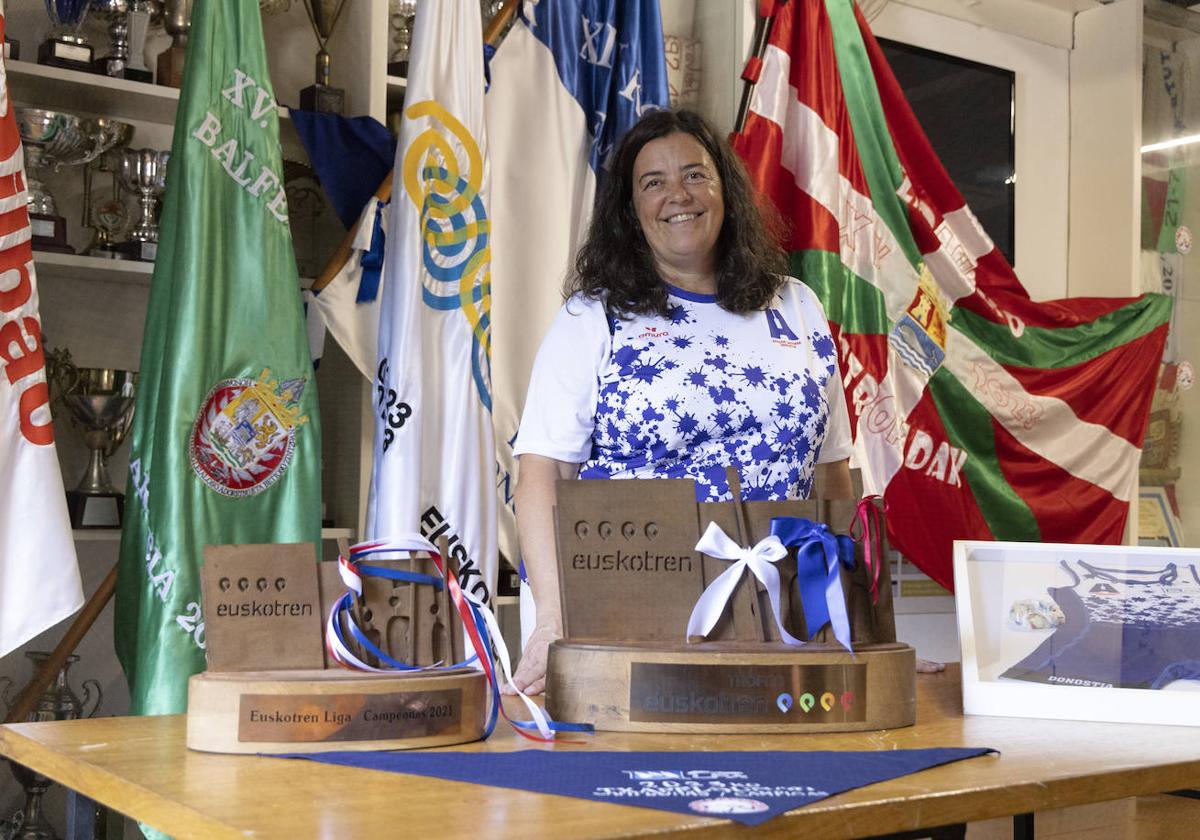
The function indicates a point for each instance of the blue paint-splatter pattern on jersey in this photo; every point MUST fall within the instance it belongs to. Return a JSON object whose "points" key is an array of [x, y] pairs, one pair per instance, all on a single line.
{"points": [[680, 401]]}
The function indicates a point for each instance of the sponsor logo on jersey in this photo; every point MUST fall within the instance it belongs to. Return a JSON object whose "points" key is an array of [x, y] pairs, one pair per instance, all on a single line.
{"points": [[781, 333]]}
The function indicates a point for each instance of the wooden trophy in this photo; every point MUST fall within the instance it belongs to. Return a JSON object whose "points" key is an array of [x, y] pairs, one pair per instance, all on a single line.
{"points": [[177, 20], [630, 576], [272, 687]]}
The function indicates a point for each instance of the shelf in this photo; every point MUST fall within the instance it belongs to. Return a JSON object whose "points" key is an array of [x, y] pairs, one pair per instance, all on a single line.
{"points": [[94, 95], [53, 265], [114, 534], [74, 91]]}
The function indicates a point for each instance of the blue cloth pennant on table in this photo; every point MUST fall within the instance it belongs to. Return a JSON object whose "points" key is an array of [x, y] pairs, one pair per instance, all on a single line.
{"points": [[749, 787]]}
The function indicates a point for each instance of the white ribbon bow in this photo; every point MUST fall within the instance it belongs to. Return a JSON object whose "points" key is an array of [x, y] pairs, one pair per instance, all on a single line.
{"points": [[760, 560]]}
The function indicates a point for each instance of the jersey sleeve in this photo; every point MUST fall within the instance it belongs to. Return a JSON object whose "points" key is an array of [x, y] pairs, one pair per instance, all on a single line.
{"points": [[837, 444], [560, 405]]}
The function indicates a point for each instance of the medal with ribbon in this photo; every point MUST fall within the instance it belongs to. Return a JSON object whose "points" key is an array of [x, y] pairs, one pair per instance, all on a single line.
{"points": [[478, 621]]}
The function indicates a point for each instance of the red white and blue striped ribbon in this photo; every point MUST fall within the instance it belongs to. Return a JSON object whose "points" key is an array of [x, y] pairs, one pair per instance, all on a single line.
{"points": [[478, 621]]}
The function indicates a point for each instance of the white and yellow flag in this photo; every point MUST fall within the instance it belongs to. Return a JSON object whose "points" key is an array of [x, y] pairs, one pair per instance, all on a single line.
{"points": [[39, 576], [435, 464]]}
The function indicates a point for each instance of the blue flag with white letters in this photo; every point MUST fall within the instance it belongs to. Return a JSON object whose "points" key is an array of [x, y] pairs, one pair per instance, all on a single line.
{"points": [[748, 787], [609, 57], [569, 79]]}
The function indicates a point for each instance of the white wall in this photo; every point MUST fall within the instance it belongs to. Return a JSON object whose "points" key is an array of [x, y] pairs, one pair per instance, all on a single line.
{"points": [[1106, 126], [1042, 122]]}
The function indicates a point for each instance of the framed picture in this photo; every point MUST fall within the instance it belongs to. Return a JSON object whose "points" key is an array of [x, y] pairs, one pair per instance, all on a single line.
{"points": [[1079, 632]]}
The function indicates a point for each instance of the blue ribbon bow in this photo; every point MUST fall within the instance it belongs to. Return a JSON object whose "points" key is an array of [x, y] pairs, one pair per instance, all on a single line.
{"points": [[819, 556], [372, 261]]}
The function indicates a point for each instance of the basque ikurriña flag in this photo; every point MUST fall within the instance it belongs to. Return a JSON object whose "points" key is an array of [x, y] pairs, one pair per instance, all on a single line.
{"points": [[226, 443], [39, 576], [977, 412], [435, 461], [568, 81]]}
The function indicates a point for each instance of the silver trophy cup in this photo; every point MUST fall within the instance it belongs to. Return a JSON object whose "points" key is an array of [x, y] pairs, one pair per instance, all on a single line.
{"points": [[401, 14], [101, 404], [128, 21], [177, 20], [321, 96], [53, 139], [57, 702], [144, 171], [66, 47]]}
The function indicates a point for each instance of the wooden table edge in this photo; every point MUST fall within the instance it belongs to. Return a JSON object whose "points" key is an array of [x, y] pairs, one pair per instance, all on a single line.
{"points": [[145, 805], [856, 813]]}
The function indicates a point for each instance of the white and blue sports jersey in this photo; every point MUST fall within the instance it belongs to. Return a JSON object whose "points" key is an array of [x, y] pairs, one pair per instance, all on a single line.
{"points": [[1123, 627], [688, 395]]}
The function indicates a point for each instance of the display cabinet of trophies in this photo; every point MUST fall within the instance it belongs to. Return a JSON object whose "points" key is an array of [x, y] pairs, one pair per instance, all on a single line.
{"points": [[95, 87]]}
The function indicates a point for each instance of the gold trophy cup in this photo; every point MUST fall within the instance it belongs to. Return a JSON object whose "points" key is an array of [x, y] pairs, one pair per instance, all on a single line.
{"points": [[323, 15]]}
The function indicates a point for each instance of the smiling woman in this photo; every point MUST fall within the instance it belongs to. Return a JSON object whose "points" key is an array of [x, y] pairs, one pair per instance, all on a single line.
{"points": [[683, 350], [678, 201]]}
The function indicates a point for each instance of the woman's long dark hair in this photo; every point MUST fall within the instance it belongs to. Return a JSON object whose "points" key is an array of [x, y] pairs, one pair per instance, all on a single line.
{"points": [[616, 264]]}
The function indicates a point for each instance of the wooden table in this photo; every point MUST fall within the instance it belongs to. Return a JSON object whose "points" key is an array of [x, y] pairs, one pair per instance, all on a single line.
{"points": [[140, 767]]}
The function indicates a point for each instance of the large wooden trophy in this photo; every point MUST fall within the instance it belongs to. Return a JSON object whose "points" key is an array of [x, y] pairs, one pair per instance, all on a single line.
{"points": [[273, 687], [662, 637]]}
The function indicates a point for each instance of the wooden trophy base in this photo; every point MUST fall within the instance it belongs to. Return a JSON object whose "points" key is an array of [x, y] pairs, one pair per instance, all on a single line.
{"points": [[320, 711], [117, 68], [69, 55], [170, 67], [731, 687], [135, 250]]}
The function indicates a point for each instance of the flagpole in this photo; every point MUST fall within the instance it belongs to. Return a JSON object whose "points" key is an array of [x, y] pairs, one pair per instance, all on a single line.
{"points": [[767, 10], [499, 22], [346, 246], [44, 675], [491, 35]]}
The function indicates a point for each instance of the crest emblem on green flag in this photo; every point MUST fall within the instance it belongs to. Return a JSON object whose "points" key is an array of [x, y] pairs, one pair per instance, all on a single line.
{"points": [[245, 434]]}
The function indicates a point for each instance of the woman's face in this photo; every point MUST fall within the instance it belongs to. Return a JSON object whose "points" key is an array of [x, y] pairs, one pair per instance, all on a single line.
{"points": [[678, 200]]}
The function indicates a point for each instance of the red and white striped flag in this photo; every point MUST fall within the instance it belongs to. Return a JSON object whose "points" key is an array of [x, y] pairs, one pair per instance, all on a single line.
{"points": [[39, 576], [978, 413]]}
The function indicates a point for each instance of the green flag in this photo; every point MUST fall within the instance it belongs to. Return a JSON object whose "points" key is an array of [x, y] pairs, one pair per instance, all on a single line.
{"points": [[225, 438]]}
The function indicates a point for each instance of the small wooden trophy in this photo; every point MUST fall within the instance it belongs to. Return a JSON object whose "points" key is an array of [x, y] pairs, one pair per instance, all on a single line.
{"points": [[177, 20], [272, 686]]}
